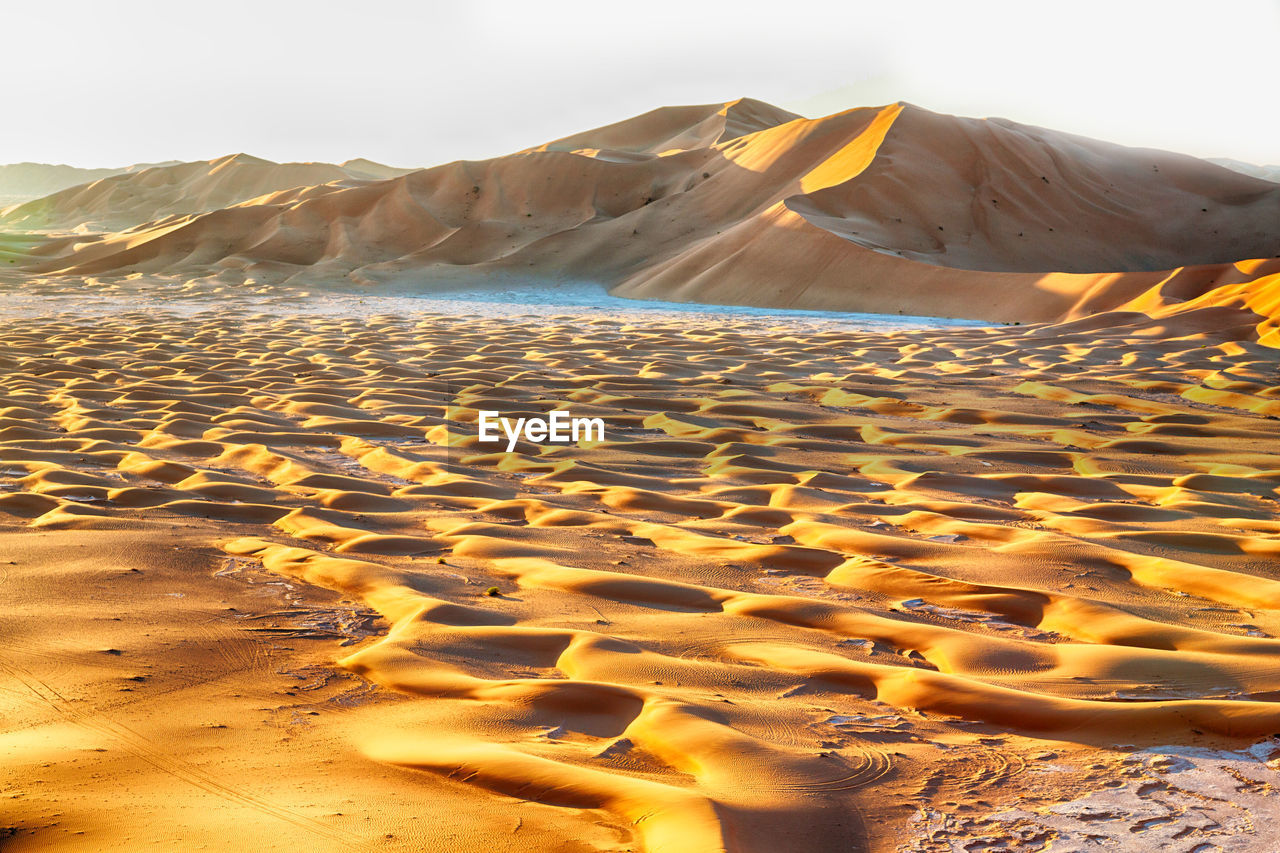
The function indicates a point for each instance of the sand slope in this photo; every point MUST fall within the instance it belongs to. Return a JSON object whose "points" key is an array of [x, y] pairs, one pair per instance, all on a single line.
{"points": [[1269, 172], [991, 194], [736, 203], [670, 129], [21, 182], [157, 194]]}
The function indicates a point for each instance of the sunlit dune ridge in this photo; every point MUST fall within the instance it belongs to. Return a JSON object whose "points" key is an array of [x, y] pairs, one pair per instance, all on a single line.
{"points": [[739, 203]]}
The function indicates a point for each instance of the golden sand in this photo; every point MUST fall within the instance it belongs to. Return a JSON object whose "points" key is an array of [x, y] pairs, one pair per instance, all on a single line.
{"points": [[818, 590], [889, 209]]}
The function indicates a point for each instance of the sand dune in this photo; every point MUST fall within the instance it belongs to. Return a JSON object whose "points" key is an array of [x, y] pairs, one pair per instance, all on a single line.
{"points": [[668, 130], [812, 587], [739, 203], [21, 182], [991, 194], [816, 589], [1269, 172], [159, 194]]}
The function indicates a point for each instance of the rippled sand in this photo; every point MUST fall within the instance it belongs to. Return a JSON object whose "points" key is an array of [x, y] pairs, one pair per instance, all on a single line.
{"points": [[819, 589]]}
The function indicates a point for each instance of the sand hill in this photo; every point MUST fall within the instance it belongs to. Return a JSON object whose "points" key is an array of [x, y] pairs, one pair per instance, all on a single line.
{"points": [[818, 588], [670, 129], [21, 182], [120, 201], [1269, 172], [740, 203]]}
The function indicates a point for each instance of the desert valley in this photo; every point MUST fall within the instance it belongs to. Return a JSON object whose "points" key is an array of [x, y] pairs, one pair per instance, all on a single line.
{"points": [[998, 571]]}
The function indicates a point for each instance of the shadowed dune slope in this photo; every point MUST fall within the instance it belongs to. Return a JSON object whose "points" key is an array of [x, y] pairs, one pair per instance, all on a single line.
{"points": [[737, 203], [991, 194]]}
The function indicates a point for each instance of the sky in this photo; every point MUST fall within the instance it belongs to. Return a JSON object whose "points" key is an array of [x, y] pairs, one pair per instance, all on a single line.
{"points": [[420, 83]]}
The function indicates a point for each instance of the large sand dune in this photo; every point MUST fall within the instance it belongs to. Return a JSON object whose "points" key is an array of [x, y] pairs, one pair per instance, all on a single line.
{"points": [[818, 589], [739, 203]]}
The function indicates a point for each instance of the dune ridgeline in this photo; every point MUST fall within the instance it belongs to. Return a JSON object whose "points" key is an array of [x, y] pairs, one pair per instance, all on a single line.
{"points": [[738, 203], [819, 587]]}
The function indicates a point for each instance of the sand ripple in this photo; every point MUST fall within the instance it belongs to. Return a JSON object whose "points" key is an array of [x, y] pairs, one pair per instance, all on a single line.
{"points": [[800, 567]]}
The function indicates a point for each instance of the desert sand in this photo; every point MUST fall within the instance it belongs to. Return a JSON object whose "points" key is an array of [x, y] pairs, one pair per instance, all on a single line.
{"points": [[166, 192], [21, 182], [819, 588], [737, 203]]}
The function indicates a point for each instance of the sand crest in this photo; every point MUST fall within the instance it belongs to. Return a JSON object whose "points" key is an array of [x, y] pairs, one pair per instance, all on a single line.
{"points": [[737, 203]]}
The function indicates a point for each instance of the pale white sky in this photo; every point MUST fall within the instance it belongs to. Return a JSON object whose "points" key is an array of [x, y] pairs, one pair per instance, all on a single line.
{"points": [[418, 83]]}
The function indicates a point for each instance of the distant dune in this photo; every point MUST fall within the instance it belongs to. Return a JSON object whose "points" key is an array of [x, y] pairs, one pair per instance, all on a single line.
{"points": [[738, 203], [157, 194], [21, 182], [1269, 172]]}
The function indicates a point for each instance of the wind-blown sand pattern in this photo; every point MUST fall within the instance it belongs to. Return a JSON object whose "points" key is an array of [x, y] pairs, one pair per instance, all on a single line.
{"points": [[818, 589], [822, 586]]}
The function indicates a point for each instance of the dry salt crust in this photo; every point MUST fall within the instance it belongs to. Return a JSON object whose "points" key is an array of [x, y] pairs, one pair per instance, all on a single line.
{"points": [[822, 587], [583, 300], [1169, 798]]}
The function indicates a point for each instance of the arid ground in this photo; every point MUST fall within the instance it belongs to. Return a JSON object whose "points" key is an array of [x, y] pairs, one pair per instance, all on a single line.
{"points": [[820, 588]]}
